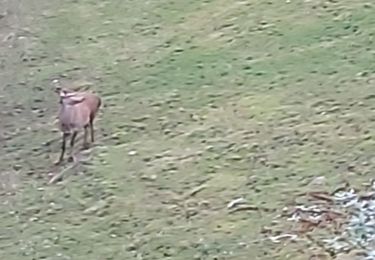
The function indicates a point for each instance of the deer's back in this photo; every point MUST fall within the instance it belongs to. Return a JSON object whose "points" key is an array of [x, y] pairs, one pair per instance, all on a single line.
{"points": [[93, 102]]}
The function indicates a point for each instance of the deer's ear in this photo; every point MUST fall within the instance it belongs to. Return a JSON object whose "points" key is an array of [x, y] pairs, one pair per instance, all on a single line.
{"points": [[65, 92]]}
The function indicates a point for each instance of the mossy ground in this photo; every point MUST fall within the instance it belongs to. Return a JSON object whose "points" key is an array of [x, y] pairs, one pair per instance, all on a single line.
{"points": [[251, 99]]}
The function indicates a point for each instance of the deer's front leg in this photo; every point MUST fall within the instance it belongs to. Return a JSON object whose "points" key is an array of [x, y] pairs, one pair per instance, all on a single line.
{"points": [[63, 146]]}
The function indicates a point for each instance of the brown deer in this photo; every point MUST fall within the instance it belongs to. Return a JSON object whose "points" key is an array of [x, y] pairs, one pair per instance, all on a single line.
{"points": [[77, 111]]}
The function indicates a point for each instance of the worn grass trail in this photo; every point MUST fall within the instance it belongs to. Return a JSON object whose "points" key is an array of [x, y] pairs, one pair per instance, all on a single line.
{"points": [[204, 102]]}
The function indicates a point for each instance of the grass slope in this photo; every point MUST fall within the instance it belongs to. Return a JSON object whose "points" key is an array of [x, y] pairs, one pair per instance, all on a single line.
{"points": [[248, 99]]}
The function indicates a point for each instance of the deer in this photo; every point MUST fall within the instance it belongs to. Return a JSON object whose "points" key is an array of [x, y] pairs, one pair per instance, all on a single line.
{"points": [[77, 111]]}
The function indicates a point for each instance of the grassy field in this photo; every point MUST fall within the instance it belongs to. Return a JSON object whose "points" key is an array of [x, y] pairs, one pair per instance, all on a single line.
{"points": [[204, 102]]}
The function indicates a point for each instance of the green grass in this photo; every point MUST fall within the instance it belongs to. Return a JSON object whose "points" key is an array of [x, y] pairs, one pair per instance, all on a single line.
{"points": [[250, 99]]}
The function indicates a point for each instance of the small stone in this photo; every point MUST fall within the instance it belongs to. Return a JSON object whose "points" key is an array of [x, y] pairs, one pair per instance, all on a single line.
{"points": [[236, 157], [102, 213], [321, 180], [152, 177], [235, 202], [141, 118], [367, 5], [139, 125], [17, 167], [99, 205], [131, 247], [167, 131], [50, 212]]}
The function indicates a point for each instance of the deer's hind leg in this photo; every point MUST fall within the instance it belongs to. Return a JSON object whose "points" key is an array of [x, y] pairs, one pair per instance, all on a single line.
{"points": [[85, 133], [92, 129]]}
